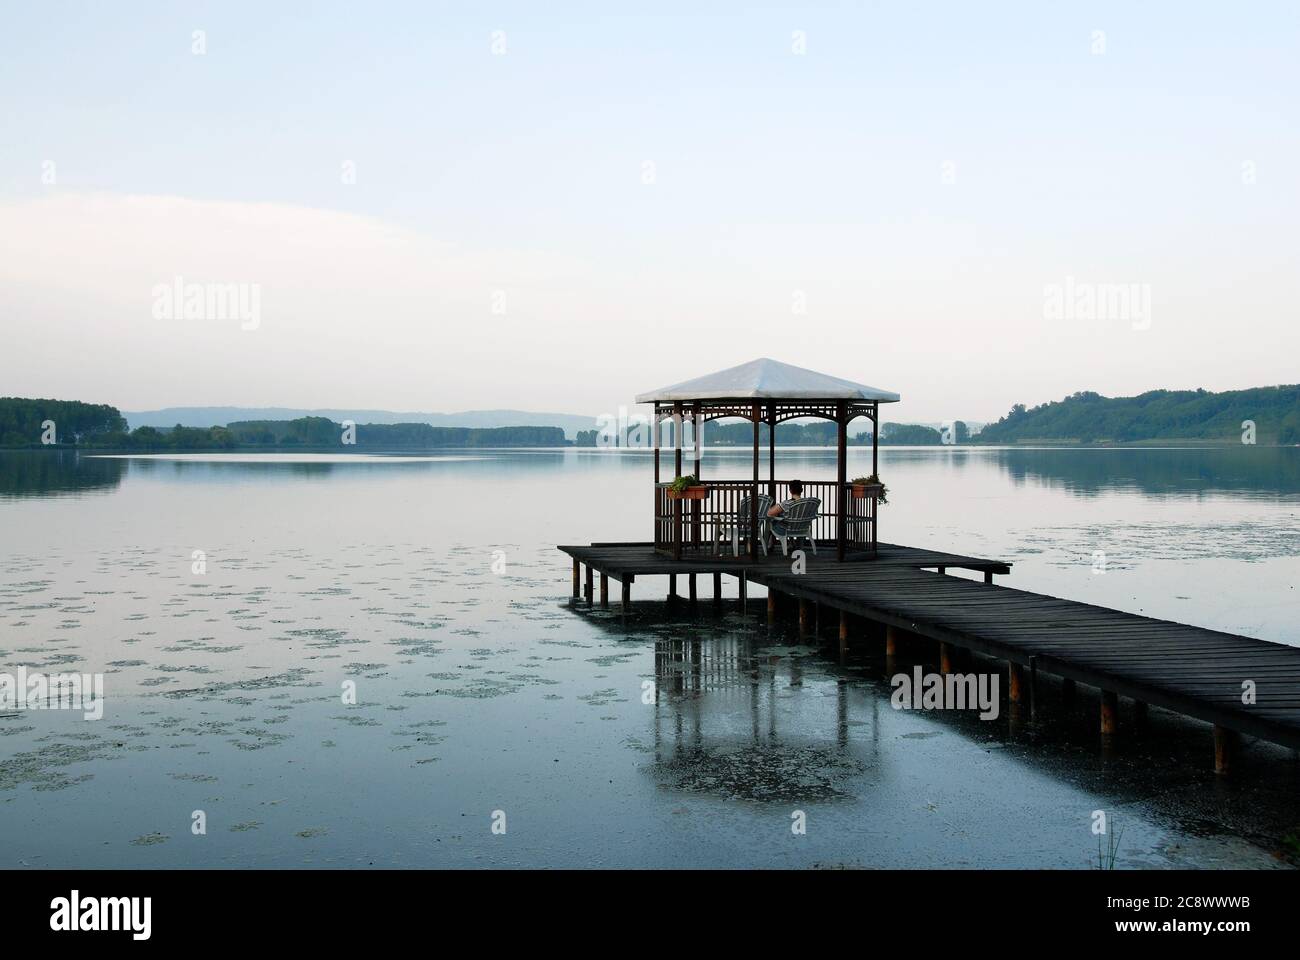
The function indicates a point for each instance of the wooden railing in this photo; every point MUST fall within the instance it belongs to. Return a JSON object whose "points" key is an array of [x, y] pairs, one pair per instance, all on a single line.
{"points": [[685, 528], [860, 529]]}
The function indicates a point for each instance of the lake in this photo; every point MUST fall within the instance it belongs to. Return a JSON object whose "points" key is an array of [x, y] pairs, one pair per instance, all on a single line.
{"points": [[358, 661]]}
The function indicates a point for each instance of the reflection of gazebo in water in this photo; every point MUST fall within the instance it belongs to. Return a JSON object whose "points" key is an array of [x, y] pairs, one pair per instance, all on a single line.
{"points": [[720, 724], [764, 391]]}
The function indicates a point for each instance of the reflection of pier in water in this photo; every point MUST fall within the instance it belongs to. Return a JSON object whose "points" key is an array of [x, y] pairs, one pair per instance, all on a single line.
{"points": [[717, 722], [718, 729], [1197, 672]]}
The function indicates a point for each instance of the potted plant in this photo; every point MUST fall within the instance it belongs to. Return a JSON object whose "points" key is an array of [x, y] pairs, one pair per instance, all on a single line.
{"points": [[687, 488], [868, 487]]}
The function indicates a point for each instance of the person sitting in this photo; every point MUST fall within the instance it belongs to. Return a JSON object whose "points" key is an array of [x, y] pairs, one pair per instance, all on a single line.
{"points": [[793, 519], [796, 494]]}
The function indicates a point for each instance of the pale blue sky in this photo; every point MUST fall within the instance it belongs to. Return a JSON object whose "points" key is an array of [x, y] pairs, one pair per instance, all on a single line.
{"points": [[776, 176]]}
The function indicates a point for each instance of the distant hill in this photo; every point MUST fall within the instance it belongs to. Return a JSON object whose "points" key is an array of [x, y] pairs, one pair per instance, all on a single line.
{"points": [[1195, 415], [219, 416]]}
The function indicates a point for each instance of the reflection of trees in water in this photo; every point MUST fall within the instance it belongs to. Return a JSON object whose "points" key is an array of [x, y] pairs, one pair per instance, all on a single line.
{"points": [[202, 469], [39, 473], [1090, 471], [1156, 472], [467, 464], [717, 725], [52, 473]]}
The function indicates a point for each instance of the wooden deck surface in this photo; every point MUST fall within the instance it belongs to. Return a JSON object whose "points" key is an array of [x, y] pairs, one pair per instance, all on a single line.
{"points": [[617, 559]]}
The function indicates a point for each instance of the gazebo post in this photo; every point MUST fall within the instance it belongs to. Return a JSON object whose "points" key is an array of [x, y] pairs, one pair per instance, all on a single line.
{"points": [[655, 440], [875, 472], [677, 466], [875, 439], [771, 451], [841, 474], [753, 495], [677, 440], [697, 432]]}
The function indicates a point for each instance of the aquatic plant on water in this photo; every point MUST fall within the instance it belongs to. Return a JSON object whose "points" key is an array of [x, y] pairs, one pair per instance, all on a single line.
{"points": [[1106, 857]]}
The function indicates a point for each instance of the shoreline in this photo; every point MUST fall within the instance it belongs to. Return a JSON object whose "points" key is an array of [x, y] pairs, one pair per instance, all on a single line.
{"points": [[1170, 444]]}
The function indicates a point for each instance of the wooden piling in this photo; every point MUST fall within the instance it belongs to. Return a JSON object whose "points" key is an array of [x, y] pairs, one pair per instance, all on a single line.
{"points": [[577, 579], [1109, 713], [803, 616], [891, 640], [587, 589], [844, 633], [690, 588], [743, 586], [672, 587], [1015, 682], [945, 658], [988, 576], [771, 606], [626, 593], [717, 588], [604, 591], [1225, 748]]}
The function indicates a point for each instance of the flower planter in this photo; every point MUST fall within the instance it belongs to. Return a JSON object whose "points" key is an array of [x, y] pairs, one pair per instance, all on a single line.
{"points": [[863, 490], [688, 493]]}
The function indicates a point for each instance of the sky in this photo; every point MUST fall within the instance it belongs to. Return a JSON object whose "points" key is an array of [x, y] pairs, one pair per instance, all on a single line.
{"points": [[452, 206]]}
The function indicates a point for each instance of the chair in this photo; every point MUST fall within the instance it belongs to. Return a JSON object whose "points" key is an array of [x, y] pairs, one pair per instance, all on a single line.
{"points": [[795, 523], [736, 528]]}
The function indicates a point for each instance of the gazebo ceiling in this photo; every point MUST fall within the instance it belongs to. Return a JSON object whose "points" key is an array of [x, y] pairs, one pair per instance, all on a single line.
{"points": [[765, 379]]}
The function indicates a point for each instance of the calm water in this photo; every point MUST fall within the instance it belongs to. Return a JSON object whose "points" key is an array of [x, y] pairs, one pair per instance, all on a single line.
{"points": [[481, 691]]}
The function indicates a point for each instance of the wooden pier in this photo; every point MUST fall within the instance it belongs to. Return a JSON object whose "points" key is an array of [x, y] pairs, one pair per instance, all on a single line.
{"points": [[1199, 673]]}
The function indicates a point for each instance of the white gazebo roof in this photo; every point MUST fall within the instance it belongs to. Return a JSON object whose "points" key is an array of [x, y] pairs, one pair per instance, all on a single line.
{"points": [[767, 380]]}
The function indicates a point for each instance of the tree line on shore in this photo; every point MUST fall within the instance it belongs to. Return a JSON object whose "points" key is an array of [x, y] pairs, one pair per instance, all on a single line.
{"points": [[1264, 415], [1258, 415], [31, 423]]}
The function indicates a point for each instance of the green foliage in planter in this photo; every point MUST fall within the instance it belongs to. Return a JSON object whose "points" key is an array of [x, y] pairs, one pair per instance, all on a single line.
{"points": [[681, 483], [883, 497]]}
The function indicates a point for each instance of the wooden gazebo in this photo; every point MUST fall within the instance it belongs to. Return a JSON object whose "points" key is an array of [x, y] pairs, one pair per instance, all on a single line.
{"points": [[763, 391]]}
